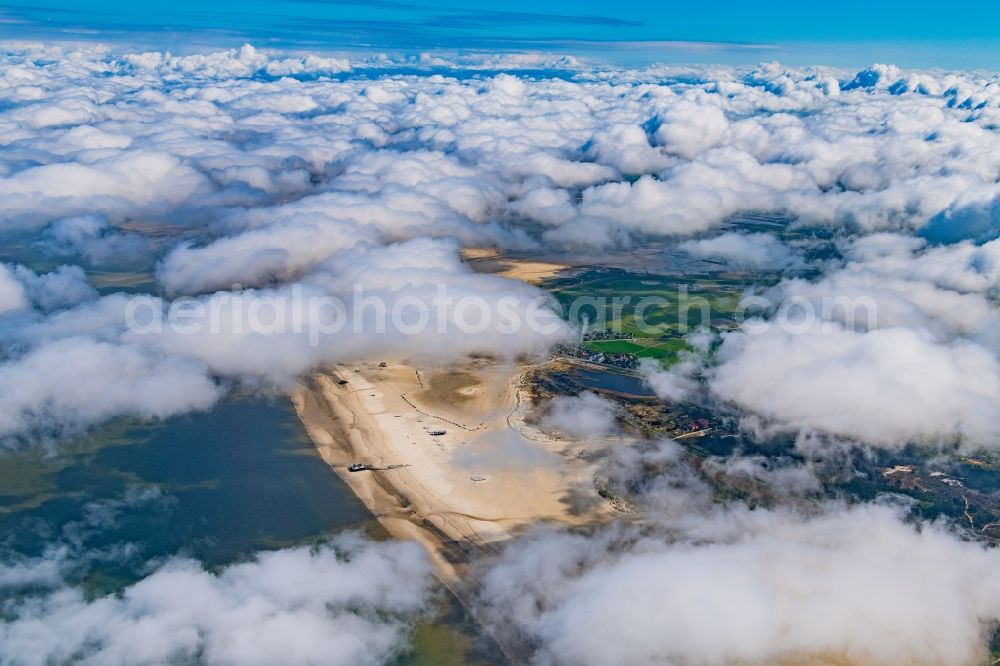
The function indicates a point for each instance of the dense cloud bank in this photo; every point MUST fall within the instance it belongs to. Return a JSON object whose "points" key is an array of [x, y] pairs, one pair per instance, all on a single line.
{"points": [[91, 132], [141, 356], [699, 582], [897, 344], [349, 602], [248, 178]]}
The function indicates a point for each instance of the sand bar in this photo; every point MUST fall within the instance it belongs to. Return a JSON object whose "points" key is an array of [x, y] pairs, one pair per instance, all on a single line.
{"points": [[453, 485], [532, 271]]}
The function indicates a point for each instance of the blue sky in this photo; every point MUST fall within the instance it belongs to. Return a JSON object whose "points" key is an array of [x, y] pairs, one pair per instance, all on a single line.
{"points": [[849, 32]]}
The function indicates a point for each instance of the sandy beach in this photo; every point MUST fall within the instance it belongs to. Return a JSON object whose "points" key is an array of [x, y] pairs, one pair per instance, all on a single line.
{"points": [[459, 469], [459, 465], [532, 271]]}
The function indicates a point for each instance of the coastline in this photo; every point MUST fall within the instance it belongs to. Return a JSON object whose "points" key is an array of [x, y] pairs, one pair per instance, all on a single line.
{"points": [[438, 426]]}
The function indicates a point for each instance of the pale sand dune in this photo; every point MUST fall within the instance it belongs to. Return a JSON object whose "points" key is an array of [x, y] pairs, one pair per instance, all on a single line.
{"points": [[384, 416], [532, 271]]}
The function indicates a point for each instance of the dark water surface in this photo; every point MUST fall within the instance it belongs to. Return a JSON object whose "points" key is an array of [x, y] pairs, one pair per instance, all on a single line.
{"points": [[217, 486], [613, 381]]}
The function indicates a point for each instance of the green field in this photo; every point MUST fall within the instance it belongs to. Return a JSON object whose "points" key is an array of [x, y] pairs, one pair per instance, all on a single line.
{"points": [[656, 310], [663, 350], [646, 306]]}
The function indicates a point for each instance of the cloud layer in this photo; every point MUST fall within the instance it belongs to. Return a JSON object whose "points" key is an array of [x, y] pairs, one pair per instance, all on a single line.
{"points": [[258, 174], [350, 602], [710, 584], [254, 186], [896, 346]]}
